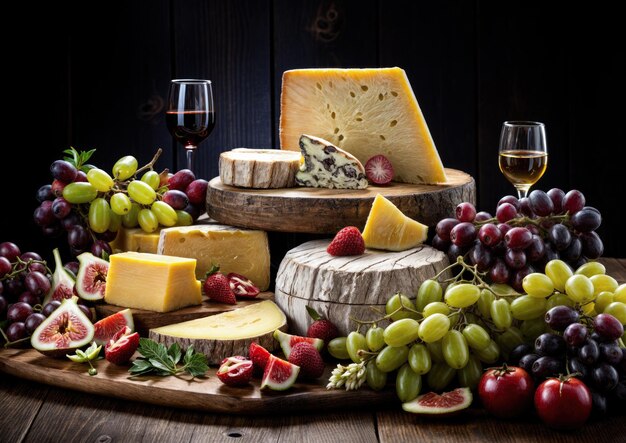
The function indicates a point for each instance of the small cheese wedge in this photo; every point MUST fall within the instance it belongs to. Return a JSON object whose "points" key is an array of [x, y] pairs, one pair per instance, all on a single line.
{"points": [[152, 282], [230, 333], [259, 168], [243, 251], [388, 228], [135, 240]]}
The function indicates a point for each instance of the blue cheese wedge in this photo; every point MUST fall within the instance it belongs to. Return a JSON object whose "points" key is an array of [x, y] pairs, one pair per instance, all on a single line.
{"points": [[325, 165]]}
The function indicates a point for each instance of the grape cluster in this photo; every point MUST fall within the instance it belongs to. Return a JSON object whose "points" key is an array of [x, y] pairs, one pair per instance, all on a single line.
{"points": [[24, 281], [91, 205], [524, 235]]}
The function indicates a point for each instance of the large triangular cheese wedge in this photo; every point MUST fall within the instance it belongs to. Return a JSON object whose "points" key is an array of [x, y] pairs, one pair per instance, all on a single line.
{"points": [[365, 112]]}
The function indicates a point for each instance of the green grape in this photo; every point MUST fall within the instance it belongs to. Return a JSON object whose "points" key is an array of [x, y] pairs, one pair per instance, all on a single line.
{"points": [[603, 300], [395, 302], [434, 308], [462, 296], [375, 338], [152, 178], [559, 272], [165, 214], [434, 327], [390, 358], [490, 354], [602, 282], [429, 291], [436, 353], [620, 293], [589, 309], [579, 288], [337, 348], [141, 192], [471, 373], [99, 215], [401, 332], [531, 329], [183, 218], [125, 168], [375, 378], [116, 221], [470, 317], [419, 359], [455, 350], [100, 180], [501, 314], [538, 285], [79, 192], [559, 299], [454, 319], [510, 339], [354, 343], [130, 219], [502, 289], [591, 268], [617, 310], [408, 384], [484, 303], [440, 376], [527, 307], [120, 203], [477, 337], [147, 220]]}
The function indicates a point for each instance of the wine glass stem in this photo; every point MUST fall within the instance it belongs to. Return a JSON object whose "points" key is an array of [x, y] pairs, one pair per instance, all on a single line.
{"points": [[522, 190], [190, 151]]}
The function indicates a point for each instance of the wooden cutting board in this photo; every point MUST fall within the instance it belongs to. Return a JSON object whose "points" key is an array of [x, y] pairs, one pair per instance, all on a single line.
{"points": [[326, 211], [202, 394], [145, 320]]}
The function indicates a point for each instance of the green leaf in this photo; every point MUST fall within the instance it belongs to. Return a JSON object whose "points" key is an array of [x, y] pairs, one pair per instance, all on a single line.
{"points": [[81, 354], [174, 353], [158, 364], [189, 354], [151, 349], [197, 365], [140, 367], [313, 313]]}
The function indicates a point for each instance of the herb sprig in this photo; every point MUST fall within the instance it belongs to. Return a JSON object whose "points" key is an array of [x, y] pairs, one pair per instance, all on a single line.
{"points": [[162, 361]]}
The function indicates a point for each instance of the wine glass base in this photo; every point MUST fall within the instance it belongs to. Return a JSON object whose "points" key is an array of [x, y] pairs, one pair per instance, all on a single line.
{"points": [[522, 191]]}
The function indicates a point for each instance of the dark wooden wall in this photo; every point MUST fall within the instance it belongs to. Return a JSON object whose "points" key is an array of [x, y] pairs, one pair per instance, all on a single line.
{"points": [[98, 74]]}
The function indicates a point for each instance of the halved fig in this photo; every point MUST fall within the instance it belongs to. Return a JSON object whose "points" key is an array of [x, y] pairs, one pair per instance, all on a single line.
{"points": [[62, 282], [66, 330], [91, 280]]}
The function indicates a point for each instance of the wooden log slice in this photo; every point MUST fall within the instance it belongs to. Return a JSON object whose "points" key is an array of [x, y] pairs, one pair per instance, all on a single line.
{"points": [[340, 287], [326, 211], [259, 168]]}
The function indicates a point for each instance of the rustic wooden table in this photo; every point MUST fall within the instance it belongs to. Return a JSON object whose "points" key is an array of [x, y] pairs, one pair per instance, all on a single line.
{"points": [[34, 412]]}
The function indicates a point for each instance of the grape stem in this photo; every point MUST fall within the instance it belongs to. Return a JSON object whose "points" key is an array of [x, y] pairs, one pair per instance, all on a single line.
{"points": [[150, 165], [17, 269]]}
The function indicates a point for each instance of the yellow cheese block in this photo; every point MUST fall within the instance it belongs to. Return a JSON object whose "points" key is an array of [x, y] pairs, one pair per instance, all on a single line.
{"points": [[152, 282], [242, 251], [135, 240], [388, 228], [365, 112]]}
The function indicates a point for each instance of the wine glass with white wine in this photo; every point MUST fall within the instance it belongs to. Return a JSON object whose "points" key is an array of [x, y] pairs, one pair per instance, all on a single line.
{"points": [[523, 154]]}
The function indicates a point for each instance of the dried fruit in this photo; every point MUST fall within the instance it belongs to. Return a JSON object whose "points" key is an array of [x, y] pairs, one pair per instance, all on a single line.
{"points": [[62, 282], [235, 371], [279, 374], [303, 354], [348, 241], [122, 346], [92, 277], [288, 341], [108, 327]]}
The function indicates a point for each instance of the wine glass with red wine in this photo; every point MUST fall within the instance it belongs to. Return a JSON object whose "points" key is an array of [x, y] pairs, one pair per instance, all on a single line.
{"points": [[190, 115]]}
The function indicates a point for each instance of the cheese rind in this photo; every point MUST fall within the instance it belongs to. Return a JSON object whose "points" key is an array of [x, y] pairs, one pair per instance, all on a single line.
{"points": [[327, 166], [243, 251], [364, 111], [259, 168], [152, 282], [135, 240]]}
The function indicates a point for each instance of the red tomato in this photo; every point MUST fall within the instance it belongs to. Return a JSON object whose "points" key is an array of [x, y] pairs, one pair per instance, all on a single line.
{"points": [[563, 403], [507, 391]]}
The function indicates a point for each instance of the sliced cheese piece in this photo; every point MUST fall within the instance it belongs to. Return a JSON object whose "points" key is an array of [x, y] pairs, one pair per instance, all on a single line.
{"points": [[243, 251], [135, 240], [388, 228], [364, 111], [230, 333], [259, 168], [152, 282], [327, 166]]}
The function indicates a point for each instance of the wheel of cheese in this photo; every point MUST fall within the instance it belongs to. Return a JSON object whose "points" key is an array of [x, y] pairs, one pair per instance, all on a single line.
{"points": [[342, 287], [259, 168]]}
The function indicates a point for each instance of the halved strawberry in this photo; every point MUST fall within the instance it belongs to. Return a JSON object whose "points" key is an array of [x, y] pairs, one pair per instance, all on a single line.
{"points": [[379, 170], [122, 346]]}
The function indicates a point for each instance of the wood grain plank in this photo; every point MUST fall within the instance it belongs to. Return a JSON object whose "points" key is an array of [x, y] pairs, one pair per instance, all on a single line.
{"points": [[227, 42], [21, 402], [330, 428], [616, 268]]}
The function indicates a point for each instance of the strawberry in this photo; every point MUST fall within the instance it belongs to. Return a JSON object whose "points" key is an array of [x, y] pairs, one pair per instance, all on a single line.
{"points": [[259, 356], [235, 371], [348, 241], [321, 327], [379, 170], [122, 346], [303, 354], [217, 287]]}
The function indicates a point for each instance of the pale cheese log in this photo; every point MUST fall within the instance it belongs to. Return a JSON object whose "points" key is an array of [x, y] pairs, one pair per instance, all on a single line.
{"points": [[365, 112], [259, 168], [242, 251]]}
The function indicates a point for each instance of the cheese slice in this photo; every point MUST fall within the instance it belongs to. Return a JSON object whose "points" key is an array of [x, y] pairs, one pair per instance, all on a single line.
{"points": [[365, 112], [259, 168], [327, 166], [152, 282], [135, 240], [243, 251]]}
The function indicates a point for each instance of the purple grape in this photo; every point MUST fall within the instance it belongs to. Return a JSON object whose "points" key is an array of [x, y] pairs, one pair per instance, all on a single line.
{"points": [[575, 334], [13, 286], [540, 203], [604, 377], [61, 208], [560, 317], [592, 245], [515, 259], [574, 365], [37, 283], [455, 251], [506, 212], [63, 171], [586, 220], [527, 361], [573, 201], [70, 221], [78, 237], [5, 266], [510, 199], [179, 200], [33, 320], [518, 277], [608, 326], [482, 216], [9, 250], [3, 305], [546, 366], [499, 272], [54, 230], [31, 256], [29, 298], [86, 311], [518, 352], [50, 307], [45, 193], [556, 195], [100, 247], [194, 211], [537, 249], [481, 256], [524, 207], [16, 331], [72, 266], [573, 251], [440, 244], [107, 236], [444, 227], [549, 344], [18, 312], [465, 212], [504, 228], [610, 353], [463, 234], [518, 238], [489, 234], [559, 236], [589, 352]]}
